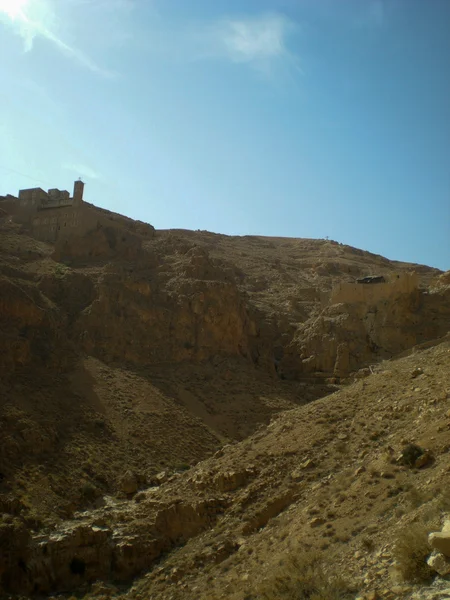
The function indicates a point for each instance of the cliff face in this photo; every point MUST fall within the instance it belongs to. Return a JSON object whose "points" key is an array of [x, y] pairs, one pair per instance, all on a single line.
{"points": [[142, 308], [32, 327], [181, 297], [346, 337], [158, 315], [148, 352]]}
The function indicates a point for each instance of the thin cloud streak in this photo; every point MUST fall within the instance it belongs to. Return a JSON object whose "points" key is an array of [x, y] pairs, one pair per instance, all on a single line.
{"points": [[31, 26], [82, 170]]}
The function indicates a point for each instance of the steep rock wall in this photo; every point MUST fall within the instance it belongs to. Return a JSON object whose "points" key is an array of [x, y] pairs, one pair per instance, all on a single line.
{"points": [[347, 337]]}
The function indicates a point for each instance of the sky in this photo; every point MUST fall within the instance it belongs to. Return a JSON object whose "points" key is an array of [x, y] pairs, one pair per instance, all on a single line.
{"points": [[299, 118]]}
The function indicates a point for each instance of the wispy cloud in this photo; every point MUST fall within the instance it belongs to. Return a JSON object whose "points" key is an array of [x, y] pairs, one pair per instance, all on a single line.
{"points": [[251, 40], [33, 19], [260, 42], [82, 170]]}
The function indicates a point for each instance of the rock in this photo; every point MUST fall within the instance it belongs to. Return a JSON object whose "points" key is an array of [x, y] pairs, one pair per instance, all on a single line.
{"points": [[316, 522], [160, 478], [440, 541], [416, 372], [128, 484], [439, 563], [232, 480], [425, 459]]}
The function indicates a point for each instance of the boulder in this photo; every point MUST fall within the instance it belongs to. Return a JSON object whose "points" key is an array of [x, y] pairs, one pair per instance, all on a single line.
{"points": [[440, 541], [424, 460], [439, 563], [159, 479], [128, 484]]}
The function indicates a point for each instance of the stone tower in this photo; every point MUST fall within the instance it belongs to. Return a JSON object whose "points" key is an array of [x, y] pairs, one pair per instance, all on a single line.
{"points": [[78, 188]]}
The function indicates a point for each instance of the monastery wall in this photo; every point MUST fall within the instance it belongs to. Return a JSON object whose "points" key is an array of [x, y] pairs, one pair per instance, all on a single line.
{"points": [[53, 224], [371, 293]]}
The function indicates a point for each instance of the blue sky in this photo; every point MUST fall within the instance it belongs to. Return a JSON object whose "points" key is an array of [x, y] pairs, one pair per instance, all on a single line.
{"points": [[302, 118]]}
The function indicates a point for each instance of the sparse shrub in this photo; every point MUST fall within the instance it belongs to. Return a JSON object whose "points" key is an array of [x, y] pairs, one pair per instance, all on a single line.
{"points": [[416, 497], [61, 270], [368, 544], [410, 453], [302, 576], [33, 520], [89, 492], [411, 551]]}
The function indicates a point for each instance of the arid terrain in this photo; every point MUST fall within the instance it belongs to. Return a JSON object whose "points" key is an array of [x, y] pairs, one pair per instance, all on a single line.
{"points": [[192, 417]]}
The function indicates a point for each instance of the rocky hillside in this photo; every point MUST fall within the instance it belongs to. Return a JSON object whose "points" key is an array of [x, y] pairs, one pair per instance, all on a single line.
{"points": [[127, 359], [356, 479]]}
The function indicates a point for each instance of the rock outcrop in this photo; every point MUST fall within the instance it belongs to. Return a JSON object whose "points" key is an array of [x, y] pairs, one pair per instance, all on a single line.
{"points": [[343, 338], [439, 560], [110, 544], [31, 328]]}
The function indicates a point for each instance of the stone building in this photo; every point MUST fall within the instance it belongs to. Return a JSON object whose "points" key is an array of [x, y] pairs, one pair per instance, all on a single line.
{"points": [[55, 216]]}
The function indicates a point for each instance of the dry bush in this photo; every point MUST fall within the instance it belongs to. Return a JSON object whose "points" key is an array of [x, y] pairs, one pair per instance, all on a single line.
{"points": [[368, 544], [443, 499], [412, 550], [302, 576], [415, 497]]}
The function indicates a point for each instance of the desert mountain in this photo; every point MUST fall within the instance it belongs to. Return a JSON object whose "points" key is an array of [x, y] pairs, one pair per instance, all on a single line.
{"points": [[180, 411]]}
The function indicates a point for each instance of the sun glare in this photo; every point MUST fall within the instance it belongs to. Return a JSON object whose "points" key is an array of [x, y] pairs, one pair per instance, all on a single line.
{"points": [[13, 8]]}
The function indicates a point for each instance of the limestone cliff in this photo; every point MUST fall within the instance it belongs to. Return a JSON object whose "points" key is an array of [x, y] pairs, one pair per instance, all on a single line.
{"points": [[346, 337], [121, 351]]}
